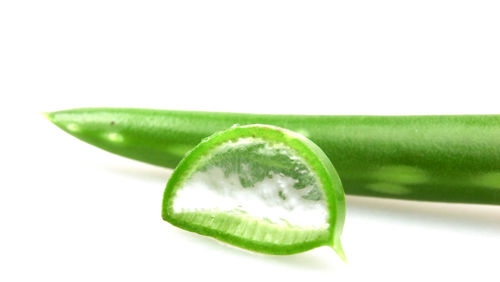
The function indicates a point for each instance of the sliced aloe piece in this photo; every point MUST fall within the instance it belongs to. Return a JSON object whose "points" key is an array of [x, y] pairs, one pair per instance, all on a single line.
{"points": [[258, 187]]}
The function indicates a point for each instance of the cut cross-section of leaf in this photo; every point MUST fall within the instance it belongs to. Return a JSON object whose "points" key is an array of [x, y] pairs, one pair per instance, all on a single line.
{"points": [[258, 187]]}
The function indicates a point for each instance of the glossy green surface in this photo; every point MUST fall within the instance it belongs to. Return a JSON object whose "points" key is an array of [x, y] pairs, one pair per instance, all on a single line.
{"points": [[434, 158], [294, 156]]}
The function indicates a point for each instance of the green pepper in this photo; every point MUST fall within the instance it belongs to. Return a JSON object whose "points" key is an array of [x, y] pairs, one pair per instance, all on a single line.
{"points": [[432, 158]]}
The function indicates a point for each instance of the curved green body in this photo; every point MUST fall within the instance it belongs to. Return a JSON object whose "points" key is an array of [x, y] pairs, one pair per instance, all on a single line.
{"points": [[433, 158], [224, 226]]}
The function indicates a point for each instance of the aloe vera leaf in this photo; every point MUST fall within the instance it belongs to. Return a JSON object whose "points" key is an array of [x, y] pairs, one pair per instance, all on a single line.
{"points": [[258, 187]]}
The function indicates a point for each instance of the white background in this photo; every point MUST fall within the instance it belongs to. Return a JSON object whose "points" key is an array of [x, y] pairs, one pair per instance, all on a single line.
{"points": [[71, 212]]}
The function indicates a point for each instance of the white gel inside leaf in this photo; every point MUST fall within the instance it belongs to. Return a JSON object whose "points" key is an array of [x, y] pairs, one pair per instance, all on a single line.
{"points": [[241, 189]]}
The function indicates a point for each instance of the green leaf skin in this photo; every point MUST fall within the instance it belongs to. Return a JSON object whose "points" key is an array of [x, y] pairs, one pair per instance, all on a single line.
{"points": [[432, 158], [285, 239]]}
